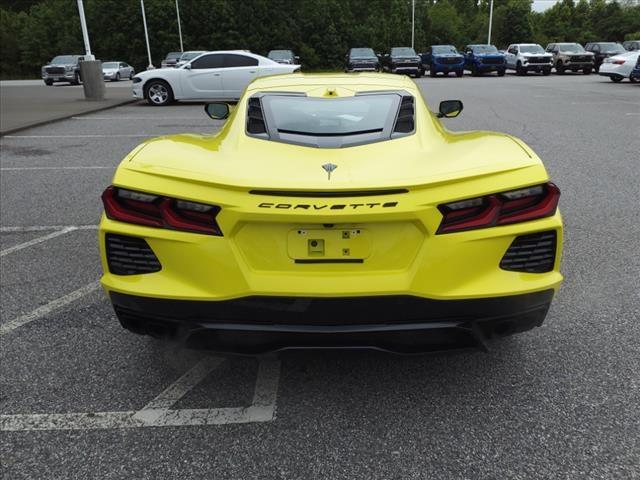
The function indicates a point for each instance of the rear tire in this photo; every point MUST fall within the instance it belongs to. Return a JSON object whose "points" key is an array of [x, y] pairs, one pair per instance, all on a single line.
{"points": [[131, 75], [76, 79], [158, 93], [519, 70], [48, 83], [501, 73], [117, 79], [459, 73], [616, 79], [559, 67], [432, 72], [474, 71], [546, 71]]}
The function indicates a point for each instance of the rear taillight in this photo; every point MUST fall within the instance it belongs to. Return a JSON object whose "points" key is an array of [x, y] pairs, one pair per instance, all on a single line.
{"points": [[503, 208], [618, 62], [162, 212]]}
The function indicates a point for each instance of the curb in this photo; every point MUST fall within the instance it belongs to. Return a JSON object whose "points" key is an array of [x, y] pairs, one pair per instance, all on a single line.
{"points": [[66, 116]]}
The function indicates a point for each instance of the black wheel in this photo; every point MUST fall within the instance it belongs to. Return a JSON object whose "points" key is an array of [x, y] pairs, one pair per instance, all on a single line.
{"points": [[418, 74], [459, 73], [76, 79], [616, 79], [474, 71], [559, 67], [117, 79], [159, 93], [48, 82], [501, 73], [586, 71], [546, 71], [519, 70], [432, 72], [131, 75], [596, 68], [633, 80]]}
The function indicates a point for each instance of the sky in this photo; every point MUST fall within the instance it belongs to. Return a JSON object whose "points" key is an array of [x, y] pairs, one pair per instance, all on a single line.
{"points": [[542, 5]]}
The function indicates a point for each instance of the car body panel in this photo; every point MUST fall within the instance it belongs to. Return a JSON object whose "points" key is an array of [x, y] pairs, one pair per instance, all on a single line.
{"points": [[123, 70]]}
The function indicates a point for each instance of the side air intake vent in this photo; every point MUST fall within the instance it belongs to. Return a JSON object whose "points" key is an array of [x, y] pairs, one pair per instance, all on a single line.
{"points": [[130, 255], [255, 118], [405, 123], [535, 253]]}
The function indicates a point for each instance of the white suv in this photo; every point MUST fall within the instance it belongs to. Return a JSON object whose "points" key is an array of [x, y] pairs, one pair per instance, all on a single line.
{"points": [[528, 57]]}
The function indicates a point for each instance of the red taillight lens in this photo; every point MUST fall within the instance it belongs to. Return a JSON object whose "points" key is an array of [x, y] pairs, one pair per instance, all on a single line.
{"points": [[504, 208], [618, 62], [155, 211]]}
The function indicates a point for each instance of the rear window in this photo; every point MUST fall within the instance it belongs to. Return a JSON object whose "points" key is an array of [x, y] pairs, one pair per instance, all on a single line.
{"points": [[328, 122], [239, 61]]}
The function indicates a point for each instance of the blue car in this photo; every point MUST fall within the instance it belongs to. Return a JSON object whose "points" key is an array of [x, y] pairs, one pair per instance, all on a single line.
{"points": [[443, 58], [479, 59]]}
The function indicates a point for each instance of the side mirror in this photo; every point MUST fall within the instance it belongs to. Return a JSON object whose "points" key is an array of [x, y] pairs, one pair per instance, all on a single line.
{"points": [[217, 110], [450, 108]]}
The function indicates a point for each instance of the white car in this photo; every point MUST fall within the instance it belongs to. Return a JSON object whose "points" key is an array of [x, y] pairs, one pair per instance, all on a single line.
{"points": [[528, 57], [221, 75], [114, 71], [619, 67]]}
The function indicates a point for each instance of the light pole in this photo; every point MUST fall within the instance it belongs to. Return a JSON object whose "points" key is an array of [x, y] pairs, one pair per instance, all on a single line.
{"points": [[490, 22], [146, 36], [179, 26], [413, 21], [85, 33]]}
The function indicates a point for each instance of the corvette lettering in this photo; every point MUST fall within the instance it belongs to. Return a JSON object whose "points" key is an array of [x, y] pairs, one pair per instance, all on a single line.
{"points": [[325, 206]]}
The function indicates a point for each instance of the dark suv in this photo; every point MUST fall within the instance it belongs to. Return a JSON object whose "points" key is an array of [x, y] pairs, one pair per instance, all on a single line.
{"points": [[63, 68], [361, 60], [602, 50], [403, 60]]}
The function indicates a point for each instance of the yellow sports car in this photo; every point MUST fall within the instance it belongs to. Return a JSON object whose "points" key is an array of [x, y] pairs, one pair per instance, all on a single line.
{"points": [[331, 211]]}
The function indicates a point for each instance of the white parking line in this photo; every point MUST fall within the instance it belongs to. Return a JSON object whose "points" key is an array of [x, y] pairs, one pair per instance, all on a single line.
{"points": [[48, 308], [35, 241], [80, 167], [41, 228], [266, 391]]}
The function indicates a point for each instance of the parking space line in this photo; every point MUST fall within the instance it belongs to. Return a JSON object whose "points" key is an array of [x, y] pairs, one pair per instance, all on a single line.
{"points": [[37, 240], [160, 405], [48, 308], [262, 410], [41, 228]]}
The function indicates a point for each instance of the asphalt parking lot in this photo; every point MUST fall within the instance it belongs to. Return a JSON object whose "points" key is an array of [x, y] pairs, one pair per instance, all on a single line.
{"points": [[82, 398]]}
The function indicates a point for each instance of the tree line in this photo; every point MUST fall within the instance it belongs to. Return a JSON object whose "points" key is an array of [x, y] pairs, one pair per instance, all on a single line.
{"points": [[320, 31]]}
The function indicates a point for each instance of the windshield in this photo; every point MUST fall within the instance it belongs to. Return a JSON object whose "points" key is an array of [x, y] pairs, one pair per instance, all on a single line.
{"points": [[331, 117], [362, 53], [612, 47], [531, 49], [484, 49], [64, 59], [186, 56], [403, 52], [570, 47], [110, 65], [280, 54], [440, 49]]}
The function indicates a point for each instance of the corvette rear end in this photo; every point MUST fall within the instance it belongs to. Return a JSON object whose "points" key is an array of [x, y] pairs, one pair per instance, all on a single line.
{"points": [[400, 236]]}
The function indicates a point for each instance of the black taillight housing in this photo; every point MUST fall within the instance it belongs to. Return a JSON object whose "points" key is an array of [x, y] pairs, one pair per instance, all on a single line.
{"points": [[151, 210], [514, 206]]}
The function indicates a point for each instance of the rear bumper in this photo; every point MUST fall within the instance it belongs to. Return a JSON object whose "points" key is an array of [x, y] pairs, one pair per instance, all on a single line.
{"points": [[395, 323]]}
